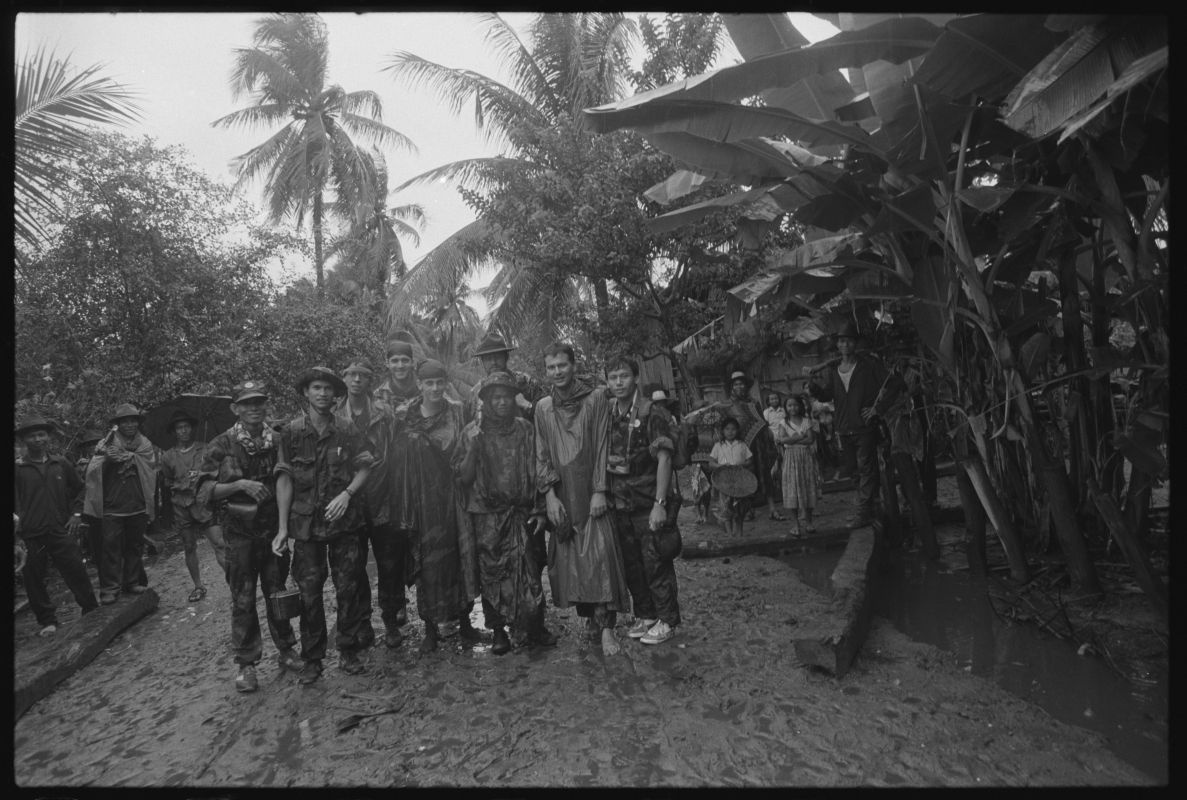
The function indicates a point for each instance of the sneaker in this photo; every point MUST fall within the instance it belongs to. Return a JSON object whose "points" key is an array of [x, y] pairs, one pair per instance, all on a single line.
{"points": [[640, 628], [48, 630], [246, 680], [310, 673], [290, 660], [349, 662], [658, 634]]}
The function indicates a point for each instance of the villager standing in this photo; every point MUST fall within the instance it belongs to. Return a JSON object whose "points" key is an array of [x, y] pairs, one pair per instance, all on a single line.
{"points": [[495, 465], [180, 466], [646, 501], [572, 450], [121, 487], [237, 480], [801, 475], [774, 412], [853, 385], [441, 562], [48, 515], [92, 529], [730, 451], [374, 417], [322, 464]]}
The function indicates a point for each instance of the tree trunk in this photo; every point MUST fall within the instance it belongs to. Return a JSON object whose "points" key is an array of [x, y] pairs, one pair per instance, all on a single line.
{"points": [[691, 388], [1135, 553], [318, 264], [890, 510], [970, 460], [601, 295], [974, 523]]}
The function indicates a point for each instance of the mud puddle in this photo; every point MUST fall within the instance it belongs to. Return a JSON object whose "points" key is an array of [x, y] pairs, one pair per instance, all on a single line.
{"points": [[951, 611]]}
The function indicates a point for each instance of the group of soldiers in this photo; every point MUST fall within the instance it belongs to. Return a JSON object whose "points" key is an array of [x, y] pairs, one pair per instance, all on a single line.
{"points": [[463, 498]]}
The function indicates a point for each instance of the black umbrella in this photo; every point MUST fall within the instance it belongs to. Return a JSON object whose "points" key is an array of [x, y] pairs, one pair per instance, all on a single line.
{"points": [[214, 416]]}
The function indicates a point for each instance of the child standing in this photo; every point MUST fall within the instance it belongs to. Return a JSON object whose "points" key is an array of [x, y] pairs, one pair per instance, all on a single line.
{"points": [[730, 451]]}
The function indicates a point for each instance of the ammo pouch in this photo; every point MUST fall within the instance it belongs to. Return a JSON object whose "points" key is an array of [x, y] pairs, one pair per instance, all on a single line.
{"points": [[242, 508]]}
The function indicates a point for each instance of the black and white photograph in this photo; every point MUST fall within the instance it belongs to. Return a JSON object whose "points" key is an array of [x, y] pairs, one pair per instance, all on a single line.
{"points": [[531, 399]]}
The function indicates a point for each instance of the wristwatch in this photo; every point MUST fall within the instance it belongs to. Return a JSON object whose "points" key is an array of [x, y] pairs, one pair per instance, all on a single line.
{"points": [[349, 492], [659, 501]]}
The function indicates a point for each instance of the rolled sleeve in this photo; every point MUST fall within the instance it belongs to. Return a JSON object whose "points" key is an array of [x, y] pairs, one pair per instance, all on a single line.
{"points": [[283, 457]]}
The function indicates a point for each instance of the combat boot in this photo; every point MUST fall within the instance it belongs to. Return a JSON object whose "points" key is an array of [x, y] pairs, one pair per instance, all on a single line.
{"points": [[290, 660], [502, 645], [246, 680], [310, 673], [349, 662]]}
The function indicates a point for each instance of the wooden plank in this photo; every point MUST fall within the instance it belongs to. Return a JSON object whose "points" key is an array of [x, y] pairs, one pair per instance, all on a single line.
{"points": [[832, 640], [825, 539], [43, 664]]}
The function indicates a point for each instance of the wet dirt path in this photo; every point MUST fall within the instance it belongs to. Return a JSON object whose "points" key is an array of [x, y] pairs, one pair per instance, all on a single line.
{"points": [[723, 704]]}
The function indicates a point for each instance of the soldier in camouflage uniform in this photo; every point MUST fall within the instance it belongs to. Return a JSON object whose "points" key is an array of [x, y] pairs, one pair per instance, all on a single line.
{"points": [[237, 482], [375, 418], [646, 500], [323, 462]]}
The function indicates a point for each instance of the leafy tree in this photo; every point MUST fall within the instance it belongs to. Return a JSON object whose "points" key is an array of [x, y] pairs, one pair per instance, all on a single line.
{"points": [[682, 46], [285, 74], [573, 60], [53, 110]]}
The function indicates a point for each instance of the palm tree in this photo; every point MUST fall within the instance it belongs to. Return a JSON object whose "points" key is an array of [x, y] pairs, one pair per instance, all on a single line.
{"points": [[574, 60], [370, 248], [51, 107], [285, 74]]}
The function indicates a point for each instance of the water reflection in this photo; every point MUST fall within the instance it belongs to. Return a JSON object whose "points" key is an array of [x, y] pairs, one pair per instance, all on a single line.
{"points": [[951, 610]]}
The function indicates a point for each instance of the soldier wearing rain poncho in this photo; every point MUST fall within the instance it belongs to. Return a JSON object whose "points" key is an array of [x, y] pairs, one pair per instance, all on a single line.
{"points": [[495, 470]]}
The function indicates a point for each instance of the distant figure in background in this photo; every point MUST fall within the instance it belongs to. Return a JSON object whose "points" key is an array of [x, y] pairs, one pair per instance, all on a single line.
{"points": [[801, 484], [493, 351], [92, 529], [180, 467], [121, 487], [774, 413], [764, 454], [730, 451], [48, 514]]}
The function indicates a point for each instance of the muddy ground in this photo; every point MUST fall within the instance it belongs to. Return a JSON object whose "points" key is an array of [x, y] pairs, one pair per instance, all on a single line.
{"points": [[723, 704]]}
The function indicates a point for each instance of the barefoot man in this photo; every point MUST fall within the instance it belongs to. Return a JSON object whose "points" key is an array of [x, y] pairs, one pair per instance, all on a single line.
{"points": [[572, 447]]}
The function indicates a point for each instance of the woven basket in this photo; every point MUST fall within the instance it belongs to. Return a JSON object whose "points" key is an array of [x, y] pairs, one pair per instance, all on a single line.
{"points": [[734, 480]]}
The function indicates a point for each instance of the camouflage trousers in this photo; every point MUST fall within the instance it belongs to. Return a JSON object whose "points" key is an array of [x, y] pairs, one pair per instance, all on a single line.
{"points": [[389, 547], [250, 560], [650, 580], [344, 553]]}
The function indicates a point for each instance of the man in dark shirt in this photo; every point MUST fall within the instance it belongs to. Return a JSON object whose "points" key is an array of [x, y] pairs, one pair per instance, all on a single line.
{"points": [[237, 481], [323, 463], [48, 505], [374, 418], [493, 351], [121, 487], [853, 386], [641, 485]]}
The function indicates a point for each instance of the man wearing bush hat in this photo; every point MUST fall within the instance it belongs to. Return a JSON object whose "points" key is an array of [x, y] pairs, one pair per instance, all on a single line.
{"points": [[121, 487], [238, 482], [49, 497], [853, 385], [493, 351], [322, 464], [374, 418]]}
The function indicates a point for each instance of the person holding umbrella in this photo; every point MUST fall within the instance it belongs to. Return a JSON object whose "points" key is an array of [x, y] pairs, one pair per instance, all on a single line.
{"points": [[121, 484], [48, 513], [180, 466], [322, 464], [237, 478]]}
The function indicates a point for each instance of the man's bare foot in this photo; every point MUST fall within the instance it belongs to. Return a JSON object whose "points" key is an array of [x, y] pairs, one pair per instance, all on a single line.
{"points": [[609, 643]]}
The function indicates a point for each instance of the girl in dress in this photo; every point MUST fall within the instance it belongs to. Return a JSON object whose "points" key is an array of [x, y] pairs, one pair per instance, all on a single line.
{"points": [[730, 451], [801, 483]]}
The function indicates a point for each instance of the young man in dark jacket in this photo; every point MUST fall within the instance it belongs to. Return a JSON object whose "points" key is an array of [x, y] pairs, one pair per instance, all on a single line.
{"points": [[853, 386], [49, 497]]}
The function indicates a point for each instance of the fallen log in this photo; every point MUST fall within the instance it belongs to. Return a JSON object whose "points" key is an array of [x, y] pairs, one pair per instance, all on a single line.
{"points": [[832, 640], [46, 663], [766, 545]]}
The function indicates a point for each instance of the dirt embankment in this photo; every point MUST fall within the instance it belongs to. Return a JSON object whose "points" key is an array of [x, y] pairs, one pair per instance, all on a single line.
{"points": [[724, 703]]}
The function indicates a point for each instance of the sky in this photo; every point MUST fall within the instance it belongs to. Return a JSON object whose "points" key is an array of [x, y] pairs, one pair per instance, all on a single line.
{"points": [[180, 63]]}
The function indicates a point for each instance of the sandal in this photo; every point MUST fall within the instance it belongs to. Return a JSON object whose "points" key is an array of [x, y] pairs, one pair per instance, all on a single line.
{"points": [[810, 528], [777, 517], [197, 594]]}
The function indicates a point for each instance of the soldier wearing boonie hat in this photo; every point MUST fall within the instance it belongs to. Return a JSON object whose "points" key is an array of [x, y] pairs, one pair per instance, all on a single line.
{"points": [[374, 417], [238, 483], [493, 352], [323, 463]]}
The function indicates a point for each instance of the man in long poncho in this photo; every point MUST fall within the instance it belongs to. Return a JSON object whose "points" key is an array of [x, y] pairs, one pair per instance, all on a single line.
{"points": [[495, 466], [440, 561], [572, 446]]}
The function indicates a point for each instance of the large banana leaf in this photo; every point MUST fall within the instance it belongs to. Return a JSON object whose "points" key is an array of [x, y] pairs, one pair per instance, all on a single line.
{"points": [[894, 40], [1137, 72], [746, 162], [815, 97], [986, 54], [726, 122], [678, 184], [1077, 72], [698, 211]]}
